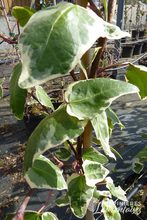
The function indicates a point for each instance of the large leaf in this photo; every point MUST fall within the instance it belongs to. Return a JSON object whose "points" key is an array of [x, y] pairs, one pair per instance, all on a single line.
{"points": [[100, 125], [79, 194], [109, 210], [45, 174], [43, 97], [94, 172], [17, 94], [115, 191], [30, 215], [87, 98], [92, 154], [22, 14], [54, 40], [52, 131], [137, 75]]}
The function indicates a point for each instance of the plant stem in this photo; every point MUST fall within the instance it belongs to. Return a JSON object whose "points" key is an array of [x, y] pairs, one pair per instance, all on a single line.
{"points": [[111, 66], [72, 148], [20, 213], [111, 10], [46, 202], [8, 39]]}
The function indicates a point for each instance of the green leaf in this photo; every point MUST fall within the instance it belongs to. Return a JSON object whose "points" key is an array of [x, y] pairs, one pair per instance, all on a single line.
{"points": [[100, 194], [109, 210], [29, 215], [105, 4], [51, 132], [17, 95], [63, 154], [43, 97], [62, 201], [22, 14], [87, 98], [92, 154], [79, 194], [113, 117], [137, 75], [45, 174], [48, 216], [100, 125], [94, 172], [137, 166], [115, 191], [59, 43]]}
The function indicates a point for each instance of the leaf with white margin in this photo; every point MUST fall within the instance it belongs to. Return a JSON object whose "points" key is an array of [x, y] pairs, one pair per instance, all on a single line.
{"points": [[79, 195], [43, 97], [48, 216], [51, 132], [54, 40], [100, 125], [94, 172], [137, 75], [115, 191], [92, 154], [87, 98], [114, 118], [109, 210], [45, 175], [103, 193]]}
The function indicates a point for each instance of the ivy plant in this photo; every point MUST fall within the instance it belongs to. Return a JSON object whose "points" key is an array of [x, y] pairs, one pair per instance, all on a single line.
{"points": [[53, 42]]}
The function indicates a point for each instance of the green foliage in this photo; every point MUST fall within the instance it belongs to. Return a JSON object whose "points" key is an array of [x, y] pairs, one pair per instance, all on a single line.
{"points": [[139, 159], [60, 41], [51, 132], [137, 75], [44, 174], [87, 98], [17, 94], [22, 14], [109, 210]]}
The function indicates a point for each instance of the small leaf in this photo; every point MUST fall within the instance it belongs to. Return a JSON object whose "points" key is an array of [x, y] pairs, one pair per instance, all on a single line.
{"points": [[48, 216], [137, 166], [109, 210], [115, 191], [137, 75], [113, 117], [59, 43], [62, 201], [63, 154], [45, 174], [79, 194], [43, 97], [87, 98], [22, 14], [51, 132], [100, 194], [139, 159], [17, 95], [94, 172], [93, 155], [28, 215], [100, 125]]}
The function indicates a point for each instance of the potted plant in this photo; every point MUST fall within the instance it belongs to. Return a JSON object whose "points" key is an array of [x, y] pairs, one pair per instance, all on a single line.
{"points": [[52, 43]]}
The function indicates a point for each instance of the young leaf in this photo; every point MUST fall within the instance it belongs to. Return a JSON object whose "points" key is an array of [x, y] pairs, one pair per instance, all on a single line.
{"points": [[63, 154], [59, 43], [79, 194], [17, 95], [109, 210], [43, 97], [93, 155], [137, 166], [48, 216], [137, 75], [115, 191], [94, 172], [100, 125], [45, 174], [62, 201], [87, 98], [52, 131], [98, 194], [22, 14]]}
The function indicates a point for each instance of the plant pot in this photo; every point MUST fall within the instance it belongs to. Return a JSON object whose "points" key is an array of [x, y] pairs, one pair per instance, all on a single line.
{"points": [[127, 50], [137, 49], [144, 47], [135, 35], [141, 34]]}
